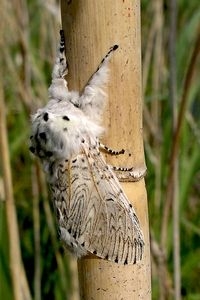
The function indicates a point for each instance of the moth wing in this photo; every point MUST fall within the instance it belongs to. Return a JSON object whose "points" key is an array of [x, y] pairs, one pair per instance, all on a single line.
{"points": [[99, 216]]}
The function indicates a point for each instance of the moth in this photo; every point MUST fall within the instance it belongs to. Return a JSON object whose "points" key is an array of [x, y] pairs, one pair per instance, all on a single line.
{"points": [[93, 213]]}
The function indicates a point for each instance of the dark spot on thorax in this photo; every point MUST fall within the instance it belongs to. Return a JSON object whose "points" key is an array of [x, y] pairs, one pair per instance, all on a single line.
{"points": [[46, 117], [66, 118], [49, 153], [43, 136], [32, 149]]}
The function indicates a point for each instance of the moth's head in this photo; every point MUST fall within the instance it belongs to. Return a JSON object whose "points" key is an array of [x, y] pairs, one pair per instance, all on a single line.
{"points": [[59, 134], [53, 135]]}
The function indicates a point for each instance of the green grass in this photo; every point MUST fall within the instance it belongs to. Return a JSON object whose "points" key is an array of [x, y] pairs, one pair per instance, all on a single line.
{"points": [[158, 148]]}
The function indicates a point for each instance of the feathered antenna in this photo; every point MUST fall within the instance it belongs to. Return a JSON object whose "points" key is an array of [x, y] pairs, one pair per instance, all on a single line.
{"points": [[60, 68]]}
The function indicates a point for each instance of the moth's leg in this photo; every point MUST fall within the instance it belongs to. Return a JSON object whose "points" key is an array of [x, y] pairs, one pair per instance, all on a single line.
{"points": [[122, 169], [135, 173], [60, 68], [111, 151], [92, 94]]}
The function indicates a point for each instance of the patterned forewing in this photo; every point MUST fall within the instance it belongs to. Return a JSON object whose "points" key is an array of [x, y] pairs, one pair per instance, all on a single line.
{"points": [[116, 233], [124, 239], [94, 210]]}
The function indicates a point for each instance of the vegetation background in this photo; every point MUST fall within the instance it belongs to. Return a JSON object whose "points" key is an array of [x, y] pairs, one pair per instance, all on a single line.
{"points": [[170, 49]]}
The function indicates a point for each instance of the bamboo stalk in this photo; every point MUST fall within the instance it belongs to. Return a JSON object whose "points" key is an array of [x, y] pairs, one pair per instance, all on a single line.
{"points": [[91, 27]]}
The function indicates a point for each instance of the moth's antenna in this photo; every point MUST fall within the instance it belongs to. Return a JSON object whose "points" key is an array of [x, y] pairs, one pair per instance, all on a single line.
{"points": [[60, 68], [107, 57], [93, 94], [62, 41], [100, 75]]}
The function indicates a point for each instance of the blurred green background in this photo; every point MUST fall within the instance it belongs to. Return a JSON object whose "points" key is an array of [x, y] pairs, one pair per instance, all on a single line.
{"points": [[29, 34]]}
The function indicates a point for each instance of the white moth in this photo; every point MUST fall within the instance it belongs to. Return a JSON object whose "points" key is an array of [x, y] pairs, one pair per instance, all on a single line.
{"points": [[93, 213]]}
